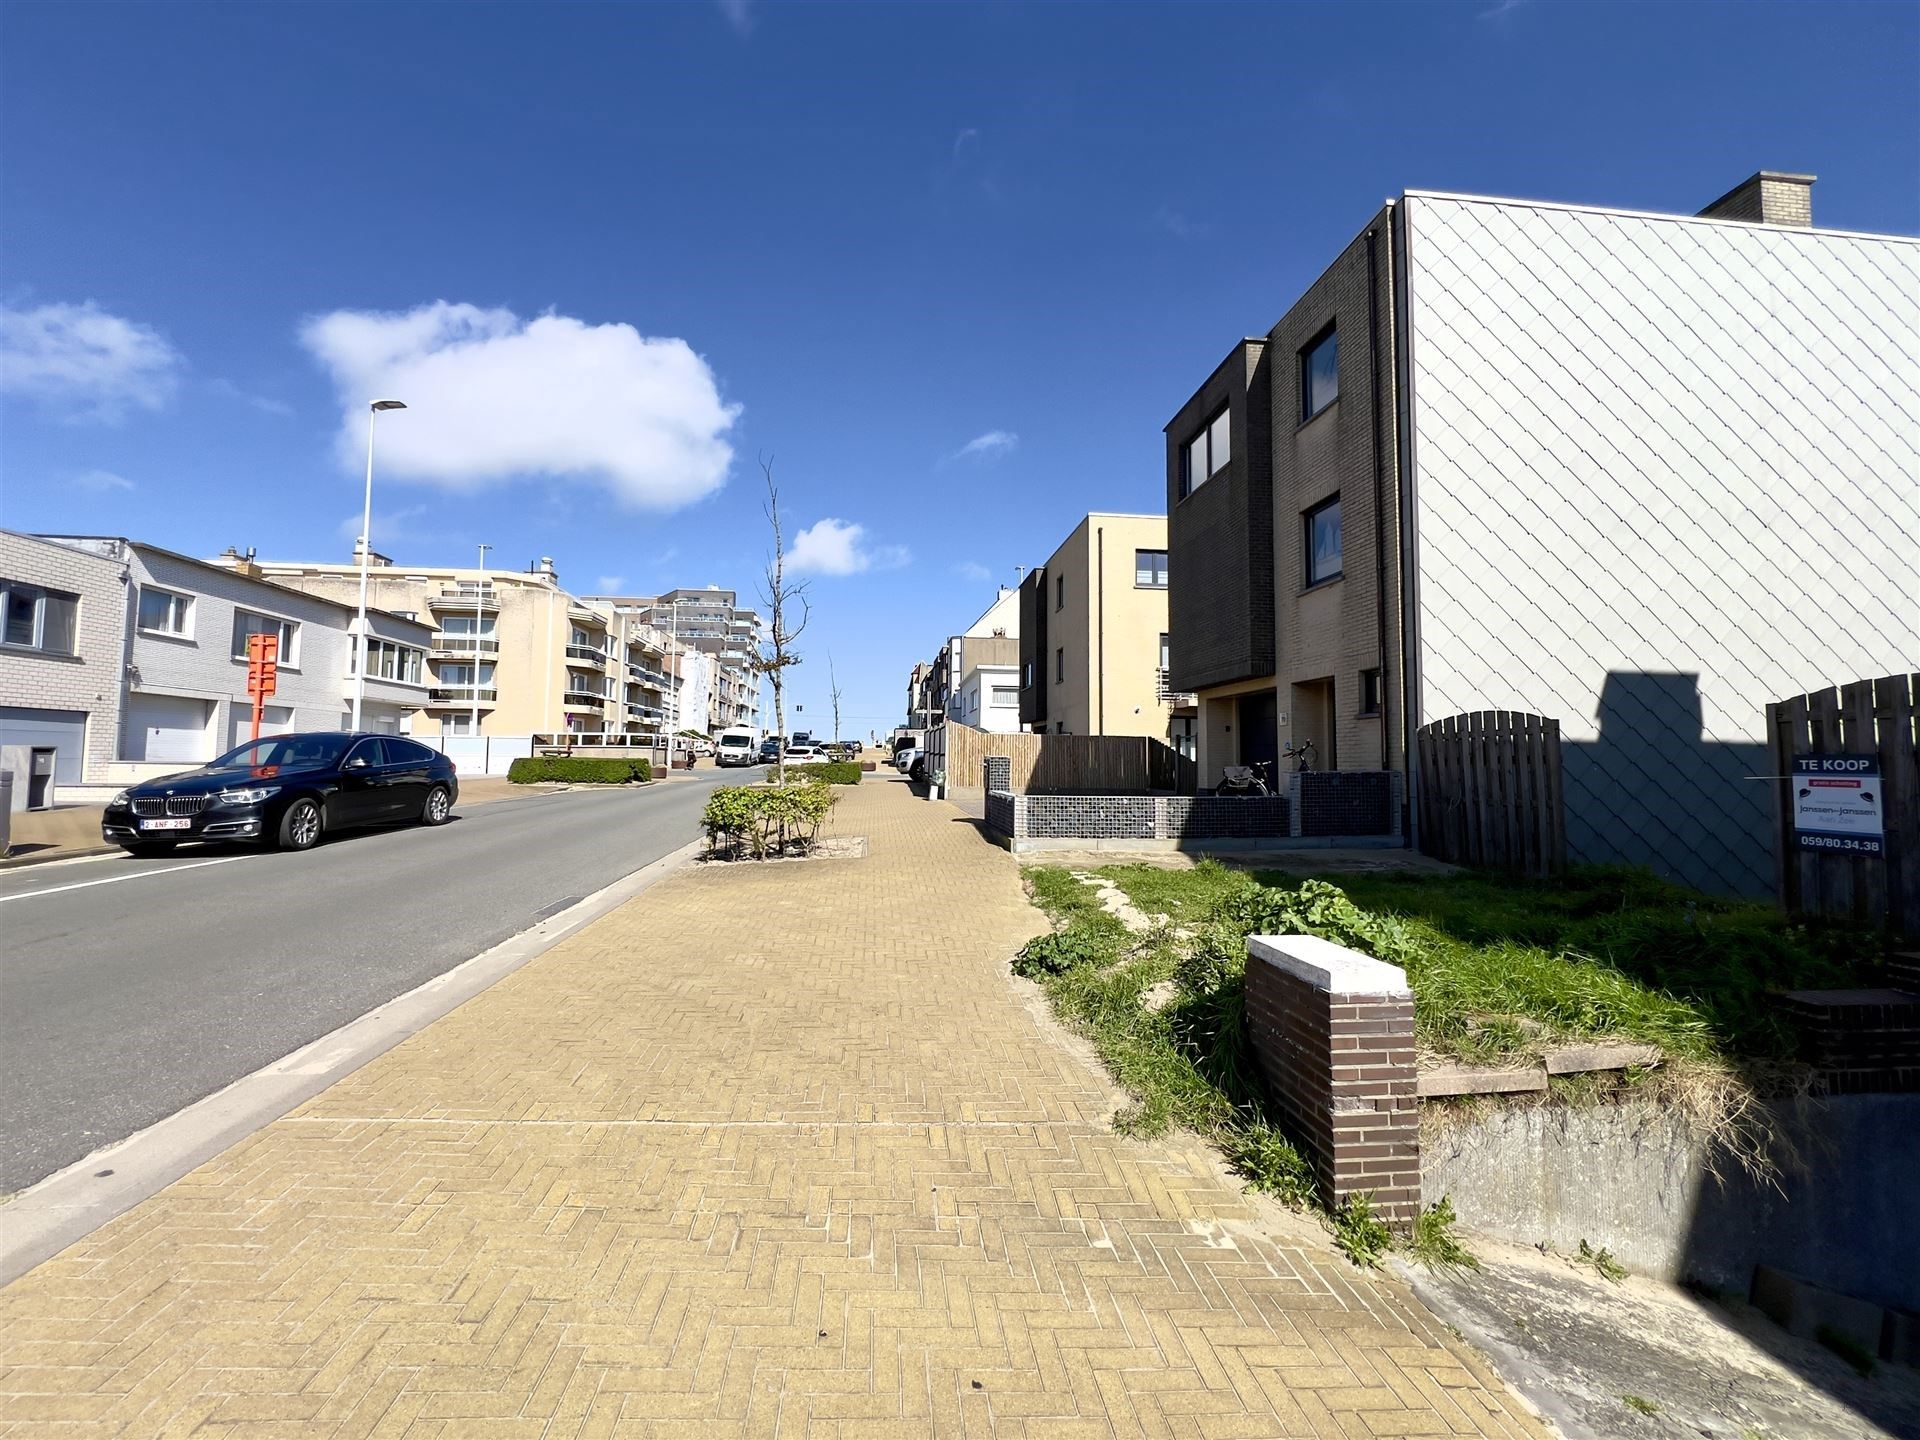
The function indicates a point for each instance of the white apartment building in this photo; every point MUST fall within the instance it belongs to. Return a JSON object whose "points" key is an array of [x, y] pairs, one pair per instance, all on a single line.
{"points": [[708, 620]]}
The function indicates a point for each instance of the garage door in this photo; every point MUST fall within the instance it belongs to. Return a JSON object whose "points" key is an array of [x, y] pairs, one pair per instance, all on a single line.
{"points": [[168, 727], [274, 720], [23, 731]]}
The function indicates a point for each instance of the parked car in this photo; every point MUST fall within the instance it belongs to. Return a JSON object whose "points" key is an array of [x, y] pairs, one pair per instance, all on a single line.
{"points": [[736, 747], [769, 750], [801, 751], [286, 790], [910, 760]]}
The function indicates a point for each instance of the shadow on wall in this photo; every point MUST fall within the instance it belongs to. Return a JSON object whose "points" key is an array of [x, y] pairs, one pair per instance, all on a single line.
{"points": [[1653, 790]]}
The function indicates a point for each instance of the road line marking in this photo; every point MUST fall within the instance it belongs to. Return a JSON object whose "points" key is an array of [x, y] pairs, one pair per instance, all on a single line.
{"points": [[116, 879]]}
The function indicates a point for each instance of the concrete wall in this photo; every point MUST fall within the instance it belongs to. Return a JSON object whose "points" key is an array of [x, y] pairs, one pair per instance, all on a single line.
{"points": [[1631, 1179], [88, 681], [1665, 473], [1108, 627]]}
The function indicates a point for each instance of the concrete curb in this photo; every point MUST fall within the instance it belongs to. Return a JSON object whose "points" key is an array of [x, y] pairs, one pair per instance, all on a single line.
{"points": [[16, 862], [71, 1204]]}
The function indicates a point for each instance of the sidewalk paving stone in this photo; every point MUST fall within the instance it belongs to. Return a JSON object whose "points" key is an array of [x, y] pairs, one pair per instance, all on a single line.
{"points": [[772, 1150]]}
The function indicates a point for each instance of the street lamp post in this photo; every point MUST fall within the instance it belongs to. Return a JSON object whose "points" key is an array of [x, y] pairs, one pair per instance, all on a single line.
{"points": [[479, 595], [366, 548]]}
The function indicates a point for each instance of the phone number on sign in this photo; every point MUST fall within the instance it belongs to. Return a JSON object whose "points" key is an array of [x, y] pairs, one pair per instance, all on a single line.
{"points": [[1839, 842]]}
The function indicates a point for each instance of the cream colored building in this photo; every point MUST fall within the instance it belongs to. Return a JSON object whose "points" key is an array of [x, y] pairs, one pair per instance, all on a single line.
{"points": [[1093, 634], [513, 647]]}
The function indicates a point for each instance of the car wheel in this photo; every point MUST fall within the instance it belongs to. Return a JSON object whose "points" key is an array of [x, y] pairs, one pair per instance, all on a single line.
{"points": [[300, 826], [439, 807], [148, 849], [919, 772]]}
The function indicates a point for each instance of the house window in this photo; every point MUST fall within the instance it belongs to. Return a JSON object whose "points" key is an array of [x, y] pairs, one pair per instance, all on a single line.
{"points": [[1059, 592], [1005, 695], [1320, 374], [1060, 665], [1150, 569], [1370, 692], [456, 725], [1203, 457], [36, 619], [388, 661], [246, 623], [164, 613], [1322, 527], [1026, 674]]}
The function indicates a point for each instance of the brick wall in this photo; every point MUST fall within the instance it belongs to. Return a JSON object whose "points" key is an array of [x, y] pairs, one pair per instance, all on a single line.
{"points": [[1332, 1030], [89, 680]]}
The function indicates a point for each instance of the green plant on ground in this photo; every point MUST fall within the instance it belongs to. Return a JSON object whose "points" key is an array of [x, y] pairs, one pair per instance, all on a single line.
{"points": [[1434, 1243], [1848, 1349], [1270, 1163], [766, 820], [1602, 1262], [579, 770], [1639, 1405], [1363, 1237], [831, 772]]}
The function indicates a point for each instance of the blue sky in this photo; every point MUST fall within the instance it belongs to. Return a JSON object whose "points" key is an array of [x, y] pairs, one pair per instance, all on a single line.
{"points": [[952, 268]]}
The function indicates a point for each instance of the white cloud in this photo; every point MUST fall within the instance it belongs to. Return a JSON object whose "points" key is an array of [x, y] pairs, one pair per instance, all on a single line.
{"points": [[390, 528], [85, 364], [972, 570], [101, 481], [990, 446], [227, 390], [609, 584], [839, 547], [739, 15], [493, 397]]}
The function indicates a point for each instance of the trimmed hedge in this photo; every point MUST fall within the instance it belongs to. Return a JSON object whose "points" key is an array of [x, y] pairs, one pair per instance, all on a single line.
{"points": [[579, 770], [833, 772], [766, 819]]}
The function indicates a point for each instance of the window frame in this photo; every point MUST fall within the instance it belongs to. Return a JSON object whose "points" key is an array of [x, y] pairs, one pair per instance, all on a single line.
{"points": [[12, 593], [1308, 410], [1369, 694], [187, 607], [1059, 593], [1060, 665], [1307, 517], [289, 658], [1160, 571], [1188, 484]]}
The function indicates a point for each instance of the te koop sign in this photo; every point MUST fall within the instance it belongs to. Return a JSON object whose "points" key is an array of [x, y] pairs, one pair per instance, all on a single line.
{"points": [[1837, 804]]}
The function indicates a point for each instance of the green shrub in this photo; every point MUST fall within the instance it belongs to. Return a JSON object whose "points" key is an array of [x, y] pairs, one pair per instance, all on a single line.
{"points": [[579, 770], [1060, 951], [766, 820], [832, 772], [1361, 1235]]}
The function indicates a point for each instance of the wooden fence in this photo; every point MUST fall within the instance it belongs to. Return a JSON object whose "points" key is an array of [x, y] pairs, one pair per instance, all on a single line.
{"points": [[1063, 764], [1870, 718], [1490, 792]]}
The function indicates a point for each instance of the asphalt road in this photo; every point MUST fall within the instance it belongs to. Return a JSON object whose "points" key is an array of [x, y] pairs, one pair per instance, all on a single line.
{"points": [[121, 1002]]}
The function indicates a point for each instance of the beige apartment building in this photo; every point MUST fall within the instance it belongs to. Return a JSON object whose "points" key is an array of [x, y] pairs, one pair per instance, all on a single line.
{"points": [[512, 648], [711, 621], [1093, 635]]}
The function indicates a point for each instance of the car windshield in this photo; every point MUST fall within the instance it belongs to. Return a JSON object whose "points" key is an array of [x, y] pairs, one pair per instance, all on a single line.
{"points": [[284, 752]]}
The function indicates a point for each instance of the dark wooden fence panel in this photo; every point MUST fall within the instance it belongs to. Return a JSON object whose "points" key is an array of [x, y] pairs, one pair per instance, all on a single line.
{"points": [[1490, 792], [1867, 717]]}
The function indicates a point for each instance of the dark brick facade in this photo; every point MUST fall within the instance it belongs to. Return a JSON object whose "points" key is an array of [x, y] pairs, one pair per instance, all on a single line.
{"points": [[1035, 677], [1333, 1033], [1858, 1041]]}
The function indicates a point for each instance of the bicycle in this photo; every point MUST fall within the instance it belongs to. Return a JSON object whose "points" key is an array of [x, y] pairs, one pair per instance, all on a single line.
{"points": [[1245, 781], [1302, 754]]}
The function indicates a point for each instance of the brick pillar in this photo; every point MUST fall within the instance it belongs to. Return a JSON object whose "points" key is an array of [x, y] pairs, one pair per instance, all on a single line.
{"points": [[1332, 1030]]}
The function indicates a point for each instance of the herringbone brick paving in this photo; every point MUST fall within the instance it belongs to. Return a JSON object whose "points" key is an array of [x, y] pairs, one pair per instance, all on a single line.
{"points": [[771, 1151]]}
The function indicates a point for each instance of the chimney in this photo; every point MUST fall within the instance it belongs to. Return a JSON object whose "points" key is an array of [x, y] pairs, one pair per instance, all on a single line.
{"points": [[241, 564], [1771, 197], [546, 567]]}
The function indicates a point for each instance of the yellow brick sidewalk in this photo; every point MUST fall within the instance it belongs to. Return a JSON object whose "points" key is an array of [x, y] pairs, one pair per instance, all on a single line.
{"points": [[771, 1151]]}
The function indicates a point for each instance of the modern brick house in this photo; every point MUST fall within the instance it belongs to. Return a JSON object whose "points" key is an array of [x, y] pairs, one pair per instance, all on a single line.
{"points": [[1639, 473]]}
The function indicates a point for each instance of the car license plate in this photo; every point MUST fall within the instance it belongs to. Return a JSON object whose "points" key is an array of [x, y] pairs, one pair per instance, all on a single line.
{"points": [[166, 824]]}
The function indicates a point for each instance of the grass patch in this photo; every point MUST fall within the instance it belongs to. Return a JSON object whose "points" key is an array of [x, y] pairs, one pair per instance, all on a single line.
{"points": [[1602, 1262], [1640, 1405], [1362, 1236], [1434, 1243]]}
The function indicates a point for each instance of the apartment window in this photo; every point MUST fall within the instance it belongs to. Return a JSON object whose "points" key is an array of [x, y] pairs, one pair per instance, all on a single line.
{"points": [[1166, 651], [389, 661], [1320, 374], [456, 725], [1059, 592], [246, 623], [1370, 692], [1005, 695], [461, 675], [1206, 454], [1322, 527], [1026, 674], [1060, 665], [162, 612], [37, 619], [463, 624], [1150, 569]]}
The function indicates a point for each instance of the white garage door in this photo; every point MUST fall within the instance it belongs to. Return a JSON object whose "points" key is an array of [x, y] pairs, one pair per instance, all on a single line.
{"points": [[168, 727], [23, 731], [274, 720]]}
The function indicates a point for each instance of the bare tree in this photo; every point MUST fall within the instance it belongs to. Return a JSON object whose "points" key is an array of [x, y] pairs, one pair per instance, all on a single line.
{"points": [[780, 596], [833, 689]]}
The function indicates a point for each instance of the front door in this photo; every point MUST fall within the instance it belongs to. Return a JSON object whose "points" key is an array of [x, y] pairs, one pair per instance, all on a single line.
{"points": [[1260, 734]]}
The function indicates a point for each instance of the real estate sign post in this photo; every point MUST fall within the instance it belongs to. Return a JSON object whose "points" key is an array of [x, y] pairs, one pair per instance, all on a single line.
{"points": [[1837, 804]]}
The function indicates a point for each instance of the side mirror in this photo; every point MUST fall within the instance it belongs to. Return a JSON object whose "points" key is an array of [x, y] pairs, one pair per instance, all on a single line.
{"points": [[358, 762]]}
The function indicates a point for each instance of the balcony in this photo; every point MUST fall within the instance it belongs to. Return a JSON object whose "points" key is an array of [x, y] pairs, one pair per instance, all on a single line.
{"points": [[582, 693], [1178, 699], [456, 645], [586, 655], [646, 712], [465, 597], [458, 697]]}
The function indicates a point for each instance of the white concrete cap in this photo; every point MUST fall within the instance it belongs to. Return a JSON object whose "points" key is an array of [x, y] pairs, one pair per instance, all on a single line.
{"points": [[1327, 966]]}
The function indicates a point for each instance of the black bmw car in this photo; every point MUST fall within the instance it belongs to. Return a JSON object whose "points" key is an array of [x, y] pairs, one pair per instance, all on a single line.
{"points": [[286, 790]]}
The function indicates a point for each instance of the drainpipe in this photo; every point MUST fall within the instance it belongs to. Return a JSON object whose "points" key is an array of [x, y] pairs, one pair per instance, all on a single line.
{"points": [[1379, 492], [1409, 461], [1100, 624]]}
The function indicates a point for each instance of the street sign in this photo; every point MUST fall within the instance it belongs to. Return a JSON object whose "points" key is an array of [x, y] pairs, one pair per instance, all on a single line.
{"points": [[1838, 804], [263, 673]]}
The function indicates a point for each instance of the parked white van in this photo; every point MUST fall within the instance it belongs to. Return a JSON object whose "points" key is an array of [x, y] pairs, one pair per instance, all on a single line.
{"points": [[737, 747]]}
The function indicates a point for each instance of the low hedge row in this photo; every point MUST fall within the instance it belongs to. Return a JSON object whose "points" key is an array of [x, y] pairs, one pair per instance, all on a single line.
{"points": [[766, 819], [833, 772], [579, 770]]}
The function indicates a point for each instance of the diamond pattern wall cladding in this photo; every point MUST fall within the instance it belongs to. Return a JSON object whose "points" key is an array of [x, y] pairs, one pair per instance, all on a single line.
{"points": [[1667, 470]]}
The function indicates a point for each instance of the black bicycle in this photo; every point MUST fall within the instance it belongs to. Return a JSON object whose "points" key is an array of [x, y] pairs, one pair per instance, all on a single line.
{"points": [[1245, 781], [1302, 755]]}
